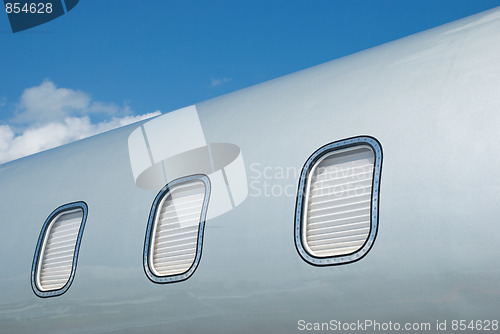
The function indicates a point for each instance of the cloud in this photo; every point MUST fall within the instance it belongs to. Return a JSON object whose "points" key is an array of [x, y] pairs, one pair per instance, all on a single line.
{"points": [[46, 103], [214, 82], [51, 116], [39, 138]]}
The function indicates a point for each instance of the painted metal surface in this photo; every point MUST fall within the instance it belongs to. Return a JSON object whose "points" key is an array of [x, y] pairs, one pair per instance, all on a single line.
{"points": [[430, 99]]}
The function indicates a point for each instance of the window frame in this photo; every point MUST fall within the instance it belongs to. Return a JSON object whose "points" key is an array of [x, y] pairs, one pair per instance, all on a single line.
{"points": [[40, 248], [165, 191], [302, 192]]}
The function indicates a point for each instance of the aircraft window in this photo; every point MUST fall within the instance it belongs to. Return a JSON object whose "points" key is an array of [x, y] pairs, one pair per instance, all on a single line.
{"points": [[336, 217], [56, 252], [174, 235]]}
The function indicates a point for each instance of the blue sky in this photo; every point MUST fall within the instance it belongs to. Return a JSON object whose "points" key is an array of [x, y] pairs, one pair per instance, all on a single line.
{"points": [[107, 62]]}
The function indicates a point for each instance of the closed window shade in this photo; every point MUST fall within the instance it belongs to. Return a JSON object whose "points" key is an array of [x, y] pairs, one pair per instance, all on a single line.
{"points": [[337, 205], [57, 249], [338, 210], [175, 232]]}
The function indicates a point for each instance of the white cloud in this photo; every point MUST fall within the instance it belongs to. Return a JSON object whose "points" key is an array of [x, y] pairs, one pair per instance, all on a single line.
{"points": [[46, 103], [218, 81], [39, 138], [52, 116]]}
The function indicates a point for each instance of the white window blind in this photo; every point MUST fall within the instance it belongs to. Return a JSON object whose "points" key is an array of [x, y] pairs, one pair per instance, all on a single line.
{"points": [[337, 205], [57, 250], [57, 256], [177, 229]]}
